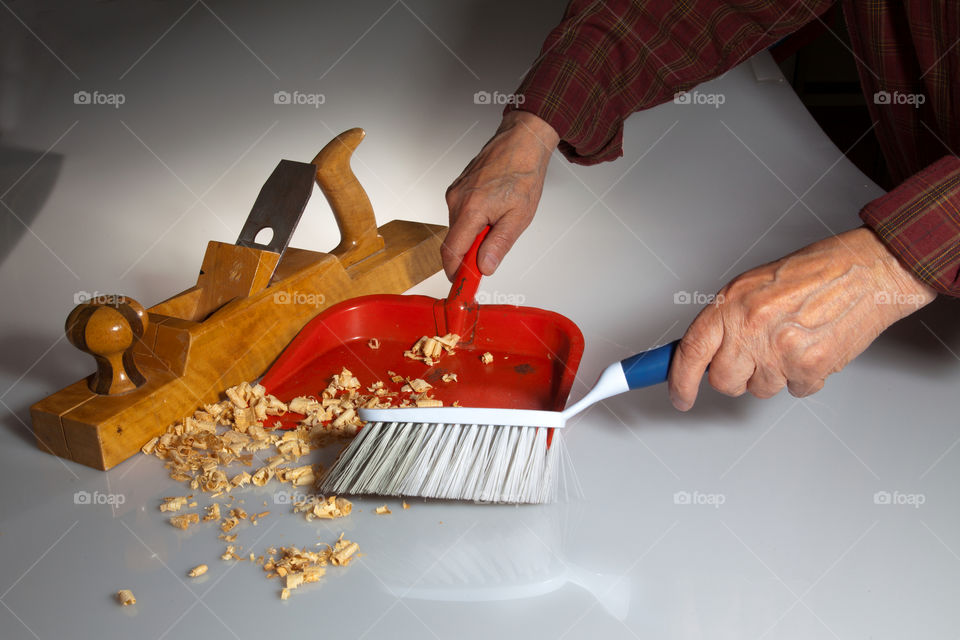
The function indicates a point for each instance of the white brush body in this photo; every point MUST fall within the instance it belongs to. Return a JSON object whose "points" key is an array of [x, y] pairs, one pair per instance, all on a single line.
{"points": [[462, 453]]}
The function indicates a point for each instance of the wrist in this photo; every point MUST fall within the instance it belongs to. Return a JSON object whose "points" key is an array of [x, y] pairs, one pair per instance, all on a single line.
{"points": [[530, 124], [905, 282]]}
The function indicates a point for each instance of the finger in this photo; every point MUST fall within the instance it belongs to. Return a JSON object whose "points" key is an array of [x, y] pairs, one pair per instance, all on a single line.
{"points": [[804, 388], [731, 368], [766, 382], [696, 350], [463, 231], [499, 241]]}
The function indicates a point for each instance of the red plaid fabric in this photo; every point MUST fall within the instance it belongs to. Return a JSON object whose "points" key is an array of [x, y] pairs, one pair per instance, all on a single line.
{"points": [[609, 58]]}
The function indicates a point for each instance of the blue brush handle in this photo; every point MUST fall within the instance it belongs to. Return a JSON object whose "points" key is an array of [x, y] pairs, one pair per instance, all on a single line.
{"points": [[650, 367]]}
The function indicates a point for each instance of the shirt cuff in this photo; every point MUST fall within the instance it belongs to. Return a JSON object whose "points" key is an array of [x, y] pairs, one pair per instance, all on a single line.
{"points": [[919, 221], [576, 127]]}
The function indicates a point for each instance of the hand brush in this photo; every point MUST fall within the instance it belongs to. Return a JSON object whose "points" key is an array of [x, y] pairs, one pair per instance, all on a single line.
{"points": [[480, 454]]}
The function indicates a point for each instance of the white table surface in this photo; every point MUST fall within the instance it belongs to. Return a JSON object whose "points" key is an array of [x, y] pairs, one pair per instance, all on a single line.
{"points": [[104, 199]]}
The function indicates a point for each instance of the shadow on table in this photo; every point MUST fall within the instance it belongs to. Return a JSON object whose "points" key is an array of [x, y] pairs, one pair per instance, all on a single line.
{"points": [[29, 360], [924, 341], [27, 178]]}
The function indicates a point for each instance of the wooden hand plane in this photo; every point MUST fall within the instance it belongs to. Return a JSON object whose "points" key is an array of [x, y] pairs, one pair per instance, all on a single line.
{"points": [[156, 365]]}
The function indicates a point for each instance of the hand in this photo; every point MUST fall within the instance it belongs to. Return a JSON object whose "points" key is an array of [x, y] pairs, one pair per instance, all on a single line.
{"points": [[795, 321], [500, 187]]}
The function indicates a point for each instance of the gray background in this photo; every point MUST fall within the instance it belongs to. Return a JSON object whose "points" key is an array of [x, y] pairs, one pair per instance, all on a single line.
{"points": [[123, 200]]}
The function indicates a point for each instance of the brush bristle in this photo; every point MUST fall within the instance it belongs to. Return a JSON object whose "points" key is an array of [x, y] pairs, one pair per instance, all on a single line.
{"points": [[450, 461]]}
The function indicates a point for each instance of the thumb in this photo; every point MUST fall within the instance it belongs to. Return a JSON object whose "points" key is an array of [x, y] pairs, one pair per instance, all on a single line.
{"points": [[499, 241]]}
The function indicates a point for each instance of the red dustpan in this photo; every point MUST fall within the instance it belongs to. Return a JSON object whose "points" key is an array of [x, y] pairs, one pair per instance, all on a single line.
{"points": [[535, 352]]}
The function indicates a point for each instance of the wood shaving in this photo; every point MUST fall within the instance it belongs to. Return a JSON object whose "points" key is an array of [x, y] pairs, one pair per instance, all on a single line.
{"points": [[343, 552], [405, 505], [449, 377], [486, 358], [298, 567], [228, 524], [382, 510], [373, 343], [324, 508], [125, 597], [174, 503], [184, 521], [197, 571], [213, 512], [428, 350], [230, 554]]}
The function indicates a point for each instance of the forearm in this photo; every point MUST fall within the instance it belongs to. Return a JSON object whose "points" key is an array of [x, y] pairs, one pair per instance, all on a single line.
{"points": [[606, 60]]}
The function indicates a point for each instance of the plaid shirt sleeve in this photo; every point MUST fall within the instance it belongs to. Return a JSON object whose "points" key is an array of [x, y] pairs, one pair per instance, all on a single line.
{"points": [[920, 222], [609, 58]]}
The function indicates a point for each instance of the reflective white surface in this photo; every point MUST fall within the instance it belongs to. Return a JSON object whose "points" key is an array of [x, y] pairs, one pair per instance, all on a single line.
{"points": [[833, 516]]}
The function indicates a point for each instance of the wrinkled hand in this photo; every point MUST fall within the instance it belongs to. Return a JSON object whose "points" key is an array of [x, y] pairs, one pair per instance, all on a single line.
{"points": [[500, 187], [795, 321]]}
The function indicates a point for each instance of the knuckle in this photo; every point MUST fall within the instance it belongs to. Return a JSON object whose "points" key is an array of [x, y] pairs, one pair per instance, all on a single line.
{"points": [[790, 340], [811, 360], [694, 348], [726, 384], [761, 313], [801, 388]]}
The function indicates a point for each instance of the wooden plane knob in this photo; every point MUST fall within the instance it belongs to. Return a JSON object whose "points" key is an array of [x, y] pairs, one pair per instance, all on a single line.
{"points": [[107, 327]]}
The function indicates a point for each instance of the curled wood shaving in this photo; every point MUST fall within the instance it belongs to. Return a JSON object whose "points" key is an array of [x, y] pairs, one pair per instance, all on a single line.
{"points": [[174, 503], [230, 553], [343, 552], [184, 521], [449, 377], [298, 567], [382, 510], [213, 512], [486, 358], [229, 524], [125, 597], [428, 350], [324, 508], [373, 343], [197, 571], [405, 505]]}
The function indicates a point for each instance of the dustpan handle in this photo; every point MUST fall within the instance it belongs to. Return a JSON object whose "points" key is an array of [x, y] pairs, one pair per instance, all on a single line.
{"points": [[464, 288]]}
